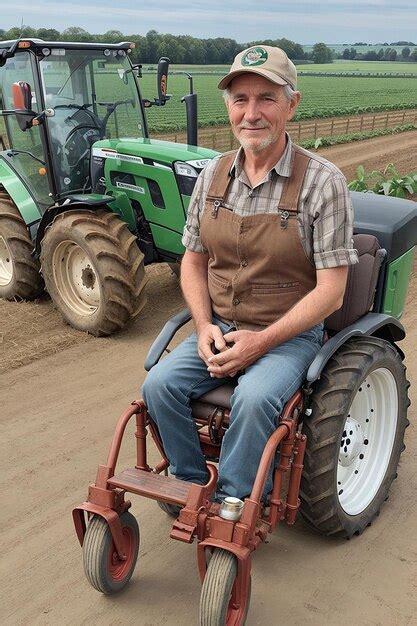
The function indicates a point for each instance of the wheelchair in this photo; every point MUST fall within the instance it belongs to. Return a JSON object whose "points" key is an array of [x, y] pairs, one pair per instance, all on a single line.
{"points": [[339, 440]]}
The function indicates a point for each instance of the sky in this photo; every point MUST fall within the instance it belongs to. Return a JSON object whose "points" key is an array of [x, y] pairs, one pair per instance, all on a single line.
{"points": [[306, 22]]}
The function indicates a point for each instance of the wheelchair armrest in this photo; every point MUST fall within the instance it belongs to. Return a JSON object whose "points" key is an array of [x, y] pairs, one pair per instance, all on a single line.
{"points": [[163, 339]]}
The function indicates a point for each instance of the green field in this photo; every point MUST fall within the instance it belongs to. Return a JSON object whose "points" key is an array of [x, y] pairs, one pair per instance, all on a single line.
{"points": [[322, 97], [336, 66]]}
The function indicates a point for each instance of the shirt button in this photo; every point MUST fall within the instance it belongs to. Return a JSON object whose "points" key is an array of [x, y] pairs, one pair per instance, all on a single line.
{"points": [[236, 301], [250, 194], [244, 263]]}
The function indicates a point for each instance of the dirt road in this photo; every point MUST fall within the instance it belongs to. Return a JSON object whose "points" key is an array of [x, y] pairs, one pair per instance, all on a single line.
{"points": [[57, 416]]}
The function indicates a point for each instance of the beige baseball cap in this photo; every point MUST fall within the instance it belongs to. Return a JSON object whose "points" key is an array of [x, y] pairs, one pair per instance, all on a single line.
{"points": [[267, 61]]}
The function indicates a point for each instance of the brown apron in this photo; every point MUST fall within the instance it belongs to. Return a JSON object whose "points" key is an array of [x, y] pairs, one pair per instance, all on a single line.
{"points": [[257, 269]]}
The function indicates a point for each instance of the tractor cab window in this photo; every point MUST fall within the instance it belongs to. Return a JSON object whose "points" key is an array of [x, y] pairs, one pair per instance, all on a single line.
{"points": [[27, 151], [94, 96]]}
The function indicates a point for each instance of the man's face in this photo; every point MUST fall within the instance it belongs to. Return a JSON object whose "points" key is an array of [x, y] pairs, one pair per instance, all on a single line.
{"points": [[258, 111]]}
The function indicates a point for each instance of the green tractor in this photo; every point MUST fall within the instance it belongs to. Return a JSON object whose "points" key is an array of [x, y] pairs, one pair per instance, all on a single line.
{"points": [[86, 198]]}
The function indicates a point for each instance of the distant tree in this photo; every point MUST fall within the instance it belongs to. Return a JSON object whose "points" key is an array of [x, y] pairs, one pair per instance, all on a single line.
{"points": [[321, 53], [17, 31], [371, 55], [346, 53], [48, 34], [405, 52], [75, 33], [413, 55], [111, 36]]}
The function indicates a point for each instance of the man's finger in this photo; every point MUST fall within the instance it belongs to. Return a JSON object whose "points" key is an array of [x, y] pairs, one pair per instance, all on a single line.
{"points": [[232, 336], [225, 369], [219, 341], [222, 358]]}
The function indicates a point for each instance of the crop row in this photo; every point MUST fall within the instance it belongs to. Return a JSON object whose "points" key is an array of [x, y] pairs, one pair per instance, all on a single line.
{"points": [[323, 142], [322, 97]]}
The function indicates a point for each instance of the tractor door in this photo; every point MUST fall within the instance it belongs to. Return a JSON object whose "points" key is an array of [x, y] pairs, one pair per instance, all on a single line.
{"points": [[25, 152]]}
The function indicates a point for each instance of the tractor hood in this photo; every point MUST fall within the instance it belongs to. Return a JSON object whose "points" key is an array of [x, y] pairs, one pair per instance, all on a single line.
{"points": [[154, 151]]}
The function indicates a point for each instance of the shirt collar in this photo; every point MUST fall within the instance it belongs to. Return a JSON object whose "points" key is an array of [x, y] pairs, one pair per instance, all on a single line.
{"points": [[283, 167]]}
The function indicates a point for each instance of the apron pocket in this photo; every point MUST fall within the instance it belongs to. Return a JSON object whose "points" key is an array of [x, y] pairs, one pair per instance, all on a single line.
{"points": [[275, 289], [217, 280]]}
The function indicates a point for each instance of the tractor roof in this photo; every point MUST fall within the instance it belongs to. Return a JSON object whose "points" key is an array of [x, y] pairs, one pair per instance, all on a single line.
{"points": [[34, 44]]}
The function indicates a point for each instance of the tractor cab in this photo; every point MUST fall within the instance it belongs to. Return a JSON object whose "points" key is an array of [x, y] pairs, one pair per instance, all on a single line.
{"points": [[66, 96]]}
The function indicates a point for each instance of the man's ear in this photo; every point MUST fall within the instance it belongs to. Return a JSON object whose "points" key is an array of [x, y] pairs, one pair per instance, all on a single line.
{"points": [[294, 104]]}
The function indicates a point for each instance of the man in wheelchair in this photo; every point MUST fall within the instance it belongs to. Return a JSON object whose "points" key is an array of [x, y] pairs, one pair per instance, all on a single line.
{"points": [[268, 243]]}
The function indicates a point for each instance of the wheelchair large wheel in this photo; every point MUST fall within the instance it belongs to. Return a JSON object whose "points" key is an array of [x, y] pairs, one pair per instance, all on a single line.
{"points": [[102, 566], [218, 606], [355, 436]]}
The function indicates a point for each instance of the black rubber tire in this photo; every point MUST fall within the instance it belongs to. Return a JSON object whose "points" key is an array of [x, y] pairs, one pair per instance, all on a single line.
{"points": [[98, 548], [118, 265], [171, 509], [332, 397], [26, 282], [217, 589]]}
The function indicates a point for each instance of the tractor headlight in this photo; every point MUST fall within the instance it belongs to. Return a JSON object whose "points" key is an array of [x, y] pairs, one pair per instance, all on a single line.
{"points": [[186, 177]]}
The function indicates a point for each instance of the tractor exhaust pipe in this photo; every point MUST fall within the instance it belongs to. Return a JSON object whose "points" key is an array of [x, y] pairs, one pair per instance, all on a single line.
{"points": [[191, 112]]}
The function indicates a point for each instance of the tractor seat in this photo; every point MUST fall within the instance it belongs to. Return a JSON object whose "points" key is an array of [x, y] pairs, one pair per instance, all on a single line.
{"points": [[358, 300]]}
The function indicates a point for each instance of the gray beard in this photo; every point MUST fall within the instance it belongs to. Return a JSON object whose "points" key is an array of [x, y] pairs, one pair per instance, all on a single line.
{"points": [[248, 145]]}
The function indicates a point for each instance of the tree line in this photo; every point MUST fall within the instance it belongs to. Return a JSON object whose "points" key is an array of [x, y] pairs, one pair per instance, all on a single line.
{"points": [[383, 54], [179, 48], [190, 50]]}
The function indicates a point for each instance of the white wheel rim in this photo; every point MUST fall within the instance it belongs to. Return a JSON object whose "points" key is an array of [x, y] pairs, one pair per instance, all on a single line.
{"points": [[6, 264], [367, 441], [76, 278]]}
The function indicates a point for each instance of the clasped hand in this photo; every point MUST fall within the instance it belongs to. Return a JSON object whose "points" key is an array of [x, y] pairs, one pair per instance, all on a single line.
{"points": [[236, 350]]}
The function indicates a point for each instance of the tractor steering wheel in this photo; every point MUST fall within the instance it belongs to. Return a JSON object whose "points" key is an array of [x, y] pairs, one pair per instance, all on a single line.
{"points": [[82, 107], [78, 143]]}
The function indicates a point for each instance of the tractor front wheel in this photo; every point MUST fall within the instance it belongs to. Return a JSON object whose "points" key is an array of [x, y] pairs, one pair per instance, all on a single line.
{"points": [[20, 277], [103, 568], [93, 270], [355, 436]]}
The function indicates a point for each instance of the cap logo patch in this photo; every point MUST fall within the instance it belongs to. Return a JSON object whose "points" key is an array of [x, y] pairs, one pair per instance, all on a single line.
{"points": [[255, 56]]}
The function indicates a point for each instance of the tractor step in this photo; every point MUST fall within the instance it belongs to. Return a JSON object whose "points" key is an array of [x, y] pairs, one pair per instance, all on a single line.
{"points": [[151, 485]]}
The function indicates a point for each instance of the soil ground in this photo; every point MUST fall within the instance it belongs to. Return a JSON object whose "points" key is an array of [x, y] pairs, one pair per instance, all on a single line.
{"points": [[61, 393]]}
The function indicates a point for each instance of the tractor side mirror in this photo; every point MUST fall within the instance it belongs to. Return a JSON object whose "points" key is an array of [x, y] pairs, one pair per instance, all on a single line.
{"points": [[22, 104], [162, 78]]}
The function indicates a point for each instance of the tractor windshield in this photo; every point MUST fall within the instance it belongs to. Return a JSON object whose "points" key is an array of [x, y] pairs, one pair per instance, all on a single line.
{"points": [[94, 96]]}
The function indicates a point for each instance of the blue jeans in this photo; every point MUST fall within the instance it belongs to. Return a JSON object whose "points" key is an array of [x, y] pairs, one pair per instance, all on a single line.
{"points": [[261, 393]]}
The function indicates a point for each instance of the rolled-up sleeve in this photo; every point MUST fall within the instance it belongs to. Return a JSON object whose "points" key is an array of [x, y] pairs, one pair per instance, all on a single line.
{"points": [[333, 226], [191, 236]]}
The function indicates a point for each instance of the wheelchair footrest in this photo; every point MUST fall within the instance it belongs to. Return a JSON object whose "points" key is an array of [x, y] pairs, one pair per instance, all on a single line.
{"points": [[151, 485]]}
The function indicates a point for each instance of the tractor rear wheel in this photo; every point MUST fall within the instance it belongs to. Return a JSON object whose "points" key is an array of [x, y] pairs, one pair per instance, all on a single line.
{"points": [[93, 270], [355, 436], [20, 277]]}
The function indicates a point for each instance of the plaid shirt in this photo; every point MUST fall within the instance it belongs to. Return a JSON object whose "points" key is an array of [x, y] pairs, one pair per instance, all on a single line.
{"points": [[325, 213]]}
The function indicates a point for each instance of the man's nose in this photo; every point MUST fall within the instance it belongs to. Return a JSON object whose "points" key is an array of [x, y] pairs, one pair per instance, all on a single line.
{"points": [[252, 111]]}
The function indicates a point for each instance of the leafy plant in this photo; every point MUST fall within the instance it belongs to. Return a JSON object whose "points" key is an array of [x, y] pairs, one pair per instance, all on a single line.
{"points": [[360, 183], [389, 182]]}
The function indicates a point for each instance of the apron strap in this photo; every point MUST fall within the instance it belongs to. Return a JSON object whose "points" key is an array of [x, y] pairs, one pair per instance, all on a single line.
{"points": [[292, 187], [221, 178]]}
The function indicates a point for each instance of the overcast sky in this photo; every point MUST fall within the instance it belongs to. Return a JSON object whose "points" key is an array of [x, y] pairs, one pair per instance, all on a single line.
{"points": [[331, 21]]}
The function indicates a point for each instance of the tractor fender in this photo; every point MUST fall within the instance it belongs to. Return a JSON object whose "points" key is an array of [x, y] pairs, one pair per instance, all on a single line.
{"points": [[71, 203], [371, 324]]}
